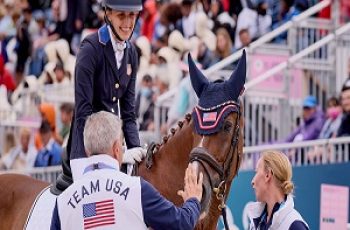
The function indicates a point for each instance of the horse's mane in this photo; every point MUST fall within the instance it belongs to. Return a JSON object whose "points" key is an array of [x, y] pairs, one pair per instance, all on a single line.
{"points": [[172, 132]]}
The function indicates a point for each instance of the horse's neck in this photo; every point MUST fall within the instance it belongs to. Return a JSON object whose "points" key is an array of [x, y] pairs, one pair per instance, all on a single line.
{"points": [[169, 163]]}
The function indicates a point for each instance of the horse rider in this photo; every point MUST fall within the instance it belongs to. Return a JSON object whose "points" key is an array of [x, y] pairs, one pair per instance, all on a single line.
{"points": [[105, 77], [104, 197]]}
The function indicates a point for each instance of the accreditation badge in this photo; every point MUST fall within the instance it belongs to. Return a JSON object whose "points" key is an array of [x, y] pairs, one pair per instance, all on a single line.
{"points": [[128, 70]]}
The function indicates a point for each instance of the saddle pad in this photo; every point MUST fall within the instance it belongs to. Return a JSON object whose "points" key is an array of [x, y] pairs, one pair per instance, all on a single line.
{"points": [[41, 212]]}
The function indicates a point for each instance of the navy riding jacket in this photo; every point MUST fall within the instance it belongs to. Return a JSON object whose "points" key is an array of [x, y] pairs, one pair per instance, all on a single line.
{"points": [[99, 85]]}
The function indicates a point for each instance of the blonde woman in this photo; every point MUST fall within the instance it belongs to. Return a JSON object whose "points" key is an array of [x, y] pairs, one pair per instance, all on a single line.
{"points": [[273, 187], [224, 47]]}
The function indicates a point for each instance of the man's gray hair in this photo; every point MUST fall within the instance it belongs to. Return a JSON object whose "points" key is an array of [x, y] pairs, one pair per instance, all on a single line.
{"points": [[101, 130]]}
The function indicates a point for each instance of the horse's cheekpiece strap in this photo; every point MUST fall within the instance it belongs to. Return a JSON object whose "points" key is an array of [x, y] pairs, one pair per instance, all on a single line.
{"points": [[209, 120]]}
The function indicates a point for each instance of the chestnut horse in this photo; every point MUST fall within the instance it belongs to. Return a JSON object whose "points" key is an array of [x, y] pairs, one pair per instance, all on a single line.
{"points": [[211, 137]]}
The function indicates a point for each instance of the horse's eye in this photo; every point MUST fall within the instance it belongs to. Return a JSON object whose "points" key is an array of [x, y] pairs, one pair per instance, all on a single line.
{"points": [[227, 126]]}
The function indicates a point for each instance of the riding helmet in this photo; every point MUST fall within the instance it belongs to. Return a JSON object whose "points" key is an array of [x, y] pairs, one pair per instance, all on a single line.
{"points": [[123, 5]]}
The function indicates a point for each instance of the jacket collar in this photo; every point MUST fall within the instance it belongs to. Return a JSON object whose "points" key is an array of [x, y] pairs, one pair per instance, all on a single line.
{"points": [[255, 210], [104, 36], [105, 159]]}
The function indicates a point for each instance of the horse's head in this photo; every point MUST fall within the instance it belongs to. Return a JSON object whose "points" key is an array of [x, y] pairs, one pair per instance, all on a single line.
{"points": [[217, 121]]}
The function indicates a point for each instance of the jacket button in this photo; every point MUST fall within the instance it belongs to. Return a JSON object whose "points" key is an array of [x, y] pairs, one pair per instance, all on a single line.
{"points": [[114, 98], [116, 85]]}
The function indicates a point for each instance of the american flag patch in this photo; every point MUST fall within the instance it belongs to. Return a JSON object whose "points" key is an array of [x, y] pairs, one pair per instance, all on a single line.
{"points": [[208, 117], [98, 214]]}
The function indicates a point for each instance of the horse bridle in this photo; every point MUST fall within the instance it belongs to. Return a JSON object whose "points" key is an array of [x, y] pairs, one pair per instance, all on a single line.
{"points": [[204, 157]]}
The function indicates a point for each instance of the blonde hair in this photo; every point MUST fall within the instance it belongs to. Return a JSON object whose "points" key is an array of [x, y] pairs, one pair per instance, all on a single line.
{"points": [[228, 49], [24, 132], [10, 141], [281, 169]]}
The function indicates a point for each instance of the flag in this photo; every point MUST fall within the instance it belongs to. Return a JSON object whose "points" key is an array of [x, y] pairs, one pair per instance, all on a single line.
{"points": [[208, 117], [98, 214]]}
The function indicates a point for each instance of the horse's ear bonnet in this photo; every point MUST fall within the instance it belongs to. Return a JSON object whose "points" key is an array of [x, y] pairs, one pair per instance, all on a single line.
{"points": [[216, 99]]}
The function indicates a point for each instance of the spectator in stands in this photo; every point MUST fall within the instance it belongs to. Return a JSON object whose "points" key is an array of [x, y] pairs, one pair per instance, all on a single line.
{"points": [[288, 10], [7, 24], [184, 101], [264, 20], [169, 59], [10, 142], [333, 121], [178, 43], [313, 120], [22, 156], [5, 77], [161, 86], [169, 15], [144, 45], [162, 80], [216, 8], [273, 188], [244, 37], [329, 130], [66, 110], [27, 29], [144, 102], [256, 21], [186, 25], [344, 129], [61, 75], [47, 112], [149, 17], [50, 154], [38, 54], [224, 46], [205, 56]]}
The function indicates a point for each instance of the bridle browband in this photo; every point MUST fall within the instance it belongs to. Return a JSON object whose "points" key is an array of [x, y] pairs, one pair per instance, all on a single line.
{"points": [[205, 158]]}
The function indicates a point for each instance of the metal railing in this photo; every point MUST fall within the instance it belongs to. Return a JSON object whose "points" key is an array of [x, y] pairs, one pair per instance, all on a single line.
{"points": [[304, 153], [48, 174]]}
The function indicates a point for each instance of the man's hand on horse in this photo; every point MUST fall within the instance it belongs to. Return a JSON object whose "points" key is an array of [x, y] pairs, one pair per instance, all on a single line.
{"points": [[133, 155], [193, 184]]}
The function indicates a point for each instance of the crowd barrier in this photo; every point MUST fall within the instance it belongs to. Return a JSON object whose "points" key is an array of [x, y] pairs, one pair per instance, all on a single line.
{"points": [[323, 152]]}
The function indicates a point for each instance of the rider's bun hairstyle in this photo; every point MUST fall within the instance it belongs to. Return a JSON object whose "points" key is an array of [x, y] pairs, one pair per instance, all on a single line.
{"points": [[281, 169]]}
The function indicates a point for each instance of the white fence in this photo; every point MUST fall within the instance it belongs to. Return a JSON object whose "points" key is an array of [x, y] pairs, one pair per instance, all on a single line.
{"points": [[327, 151], [48, 174]]}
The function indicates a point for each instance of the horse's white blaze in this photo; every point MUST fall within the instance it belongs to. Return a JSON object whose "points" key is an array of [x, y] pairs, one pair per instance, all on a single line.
{"points": [[201, 142]]}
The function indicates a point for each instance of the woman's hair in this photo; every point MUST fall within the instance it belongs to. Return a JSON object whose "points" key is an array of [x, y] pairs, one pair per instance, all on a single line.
{"points": [[10, 142], [228, 49], [281, 169]]}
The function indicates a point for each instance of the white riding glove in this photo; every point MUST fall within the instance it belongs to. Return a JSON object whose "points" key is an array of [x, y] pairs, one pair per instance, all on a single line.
{"points": [[133, 155]]}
